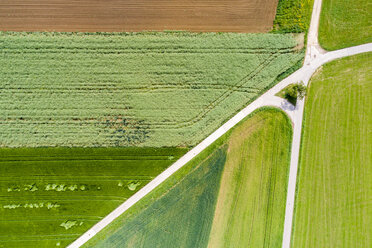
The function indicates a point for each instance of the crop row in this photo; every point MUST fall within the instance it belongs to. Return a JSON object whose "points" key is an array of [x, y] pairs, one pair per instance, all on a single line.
{"points": [[163, 89]]}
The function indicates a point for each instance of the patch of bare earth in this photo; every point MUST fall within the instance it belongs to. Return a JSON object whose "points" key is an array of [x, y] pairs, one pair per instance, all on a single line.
{"points": [[137, 15]]}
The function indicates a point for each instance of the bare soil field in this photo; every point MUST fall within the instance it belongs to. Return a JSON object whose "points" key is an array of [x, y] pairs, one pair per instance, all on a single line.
{"points": [[137, 15]]}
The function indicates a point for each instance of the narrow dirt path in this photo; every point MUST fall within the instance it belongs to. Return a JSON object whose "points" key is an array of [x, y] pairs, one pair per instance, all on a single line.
{"points": [[315, 57]]}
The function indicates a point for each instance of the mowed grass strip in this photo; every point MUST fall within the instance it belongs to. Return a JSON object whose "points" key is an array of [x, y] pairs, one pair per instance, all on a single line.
{"points": [[334, 198], [345, 23], [132, 89], [51, 196], [181, 211], [251, 201]]}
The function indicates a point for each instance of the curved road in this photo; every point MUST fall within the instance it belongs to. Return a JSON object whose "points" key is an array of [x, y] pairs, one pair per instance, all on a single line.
{"points": [[315, 57]]}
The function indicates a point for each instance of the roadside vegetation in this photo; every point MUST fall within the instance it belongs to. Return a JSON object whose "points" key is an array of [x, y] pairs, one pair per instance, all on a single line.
{"points": [[132, 89], [293, 92], [51, 196], [293, 16], [345, 23], [333, 202], [253, 160]]}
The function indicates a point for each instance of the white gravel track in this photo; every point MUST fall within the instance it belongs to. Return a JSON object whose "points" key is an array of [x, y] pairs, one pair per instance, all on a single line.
{"points": [[315, 57]]}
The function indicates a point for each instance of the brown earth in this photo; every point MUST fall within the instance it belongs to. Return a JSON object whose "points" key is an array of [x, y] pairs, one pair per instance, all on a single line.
{"points": [[137, 15]]}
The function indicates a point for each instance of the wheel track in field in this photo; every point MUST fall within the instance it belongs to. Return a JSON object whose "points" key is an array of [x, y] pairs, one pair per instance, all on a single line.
{"points": [[151, 125], [218, 100], [315, 58]]}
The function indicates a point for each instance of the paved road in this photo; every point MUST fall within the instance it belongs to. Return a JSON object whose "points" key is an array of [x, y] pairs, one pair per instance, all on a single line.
{"points": [[267, 99], [314, 59]]}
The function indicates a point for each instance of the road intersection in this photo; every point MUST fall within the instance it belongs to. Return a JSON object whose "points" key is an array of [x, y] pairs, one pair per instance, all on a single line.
{"points": [[315, 58]]}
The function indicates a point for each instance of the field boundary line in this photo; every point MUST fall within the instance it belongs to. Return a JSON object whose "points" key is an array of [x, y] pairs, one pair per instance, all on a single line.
{"points": [[267, 99], [313, 60]]}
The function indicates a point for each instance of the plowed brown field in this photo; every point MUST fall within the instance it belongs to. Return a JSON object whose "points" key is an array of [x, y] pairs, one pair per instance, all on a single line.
{"points": [[137, 15]]}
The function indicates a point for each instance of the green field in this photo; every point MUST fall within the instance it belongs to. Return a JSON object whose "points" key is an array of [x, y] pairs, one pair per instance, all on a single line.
{"points": [[50, 196], [334, 198], [251, 202], [180, 212], [140, 89], [345, 23], [181, 216]]}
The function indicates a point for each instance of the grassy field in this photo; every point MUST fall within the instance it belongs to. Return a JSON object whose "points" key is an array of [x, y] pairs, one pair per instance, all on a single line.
{"points": [[50, 196], [293, 16], [334, 198], [181, 216], [251, 202], [140, 89], [345, 23], [180, 212]]}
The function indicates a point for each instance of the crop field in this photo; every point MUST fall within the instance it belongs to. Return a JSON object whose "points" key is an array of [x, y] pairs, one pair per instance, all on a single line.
{"points": [[179, 215], [132, 89], [180, 212], [137, 15], [345, 23], [50, 196], [334, 198], [251, 202]]}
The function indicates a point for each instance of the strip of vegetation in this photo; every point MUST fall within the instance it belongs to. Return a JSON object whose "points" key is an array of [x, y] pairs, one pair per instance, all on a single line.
{"points": [[333, 201], [51, 196], [132, 89], [293, 16], [293, 92], [180, 212]]}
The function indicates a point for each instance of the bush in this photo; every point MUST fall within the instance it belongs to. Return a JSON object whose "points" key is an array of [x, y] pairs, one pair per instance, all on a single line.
{"points": [[294, 92]]}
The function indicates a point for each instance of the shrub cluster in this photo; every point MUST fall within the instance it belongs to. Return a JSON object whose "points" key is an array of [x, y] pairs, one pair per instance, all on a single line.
{"points": [[293, 16]]}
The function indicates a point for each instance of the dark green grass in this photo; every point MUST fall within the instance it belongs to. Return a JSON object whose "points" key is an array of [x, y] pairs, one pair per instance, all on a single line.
{"points": [[180, 212], [181, 217], [91, 179], [345, 23], [334, 198]]}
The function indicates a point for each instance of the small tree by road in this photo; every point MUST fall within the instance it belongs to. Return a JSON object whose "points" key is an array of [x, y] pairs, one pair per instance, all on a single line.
{"points": [[293, 92], [296, 91]]}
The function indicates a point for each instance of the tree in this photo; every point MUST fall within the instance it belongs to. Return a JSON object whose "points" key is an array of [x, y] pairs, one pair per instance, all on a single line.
{"points": [[296, 91]]}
